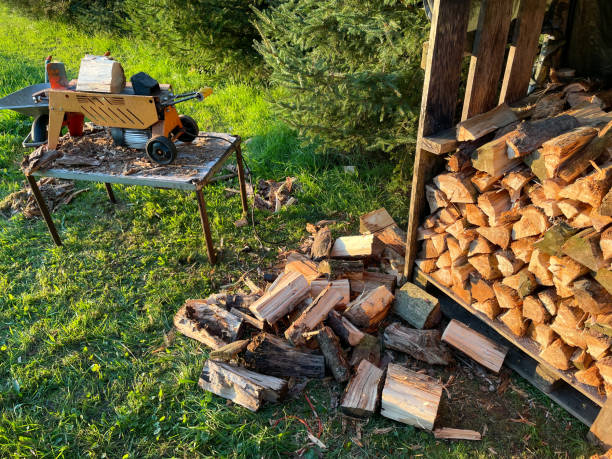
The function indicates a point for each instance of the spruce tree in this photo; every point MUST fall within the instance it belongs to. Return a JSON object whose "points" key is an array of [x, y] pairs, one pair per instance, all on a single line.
{"points": [[350, 69]]}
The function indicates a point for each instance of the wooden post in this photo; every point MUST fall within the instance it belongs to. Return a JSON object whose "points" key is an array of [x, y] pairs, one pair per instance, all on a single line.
{"points": [[241, 179], [440, 89], [44, 210], [601, 432], [210, 248]]}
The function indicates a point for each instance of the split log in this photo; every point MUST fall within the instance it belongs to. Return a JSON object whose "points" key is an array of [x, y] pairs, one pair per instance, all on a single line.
{"points": [[370, 308], [466, 237], [515, 180], [341, 286], [542, 334], [571, 207], [483, 181], [439, 242], [590, 189], [524, 282], [538, 265], [455, 250], [207, 323], [229, 351], [581, 359], [598, 344], [523, 248], [552, 188], [443, 276], [485, 265], [495, 204], [367, 349], [605, 369], [243, 387], [507, 297], [300, 264], [507, 263], [534, 310], [548, 106], [100, 74], [532, 223], [550, 300], [582, 220], [558, 354], [478, 347], [592, 297], [334, 355], [393, 237], [513, 318], [457, 228], [410, 397], [313, 315], [461, 273], [564, 146], [480, 245], [456, 187], [500, 235], [335, 269], [476, 216], [375, 221], [369, 281], [489, 308], [530, 135], [322, 244], [449, 215], [549, 206], [417, 307], [435, 198], [599, 221], [606, 205], [554, 238], [583, 247], [448, 433], [274, 356], [424, 345], [462, 290], [291, 289], [259, 324], [566, 270], [589, 376], [344, 328], [426, 265], [604, 278], [480, 125], [570, 169], [482, 290], [492, 158], [363, 391], [361, 246]]}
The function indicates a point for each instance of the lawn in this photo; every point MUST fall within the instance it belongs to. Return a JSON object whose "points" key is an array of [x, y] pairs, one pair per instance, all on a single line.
{"points": [[89, 364]]}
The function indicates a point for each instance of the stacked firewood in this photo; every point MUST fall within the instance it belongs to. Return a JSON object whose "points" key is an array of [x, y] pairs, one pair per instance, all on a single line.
{"points": [[521, 225], [334, 310]]}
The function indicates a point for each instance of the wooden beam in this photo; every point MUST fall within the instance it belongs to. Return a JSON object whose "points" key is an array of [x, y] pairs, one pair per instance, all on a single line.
{"points": [[440, 89]]}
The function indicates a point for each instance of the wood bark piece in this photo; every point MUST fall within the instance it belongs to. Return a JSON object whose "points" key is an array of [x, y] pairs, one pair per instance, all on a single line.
{"points": [[523, 248], [274, 356], [344, 328], [259, 324], [448, 433], [362, 393], [532, 223], [592, 297], [524, 282], [554, 238], [489, 308], [411, 398], [542, 334], [334, 355], [207, 323], [538, 265], [313, 315], [583, 247], [478, 347], [243, 387], [530, 135], [485, 265], [342, 286], [570, 169], [370, 308], [485, 123], [499, 235], [229, 351], [322, 244], [513, 318], [361, 246], [290, 290], [492, 157], [456, 187], [507, 297], [100, 74], [367, 349], [566, 270], [435, 198], [424, 345], [534, 309], [558, 354], [416, 306]]}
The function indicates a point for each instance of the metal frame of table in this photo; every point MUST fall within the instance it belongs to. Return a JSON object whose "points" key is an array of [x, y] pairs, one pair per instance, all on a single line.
{"points": [[194, 183]]}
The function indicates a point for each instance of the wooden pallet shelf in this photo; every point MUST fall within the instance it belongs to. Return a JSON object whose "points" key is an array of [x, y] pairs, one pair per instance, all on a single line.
{"points": [[525, 344]]}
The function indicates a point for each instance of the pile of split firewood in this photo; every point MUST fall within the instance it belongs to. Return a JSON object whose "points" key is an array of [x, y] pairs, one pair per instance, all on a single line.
{"points": [[335, 310], [520, 225]]}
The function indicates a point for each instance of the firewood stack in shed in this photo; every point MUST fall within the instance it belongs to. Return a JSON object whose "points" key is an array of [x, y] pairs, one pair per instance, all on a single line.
{"points": [[520, 224]]}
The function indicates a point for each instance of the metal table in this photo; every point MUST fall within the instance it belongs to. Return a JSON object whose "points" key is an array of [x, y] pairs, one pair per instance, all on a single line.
{"points": [[189, 173]]}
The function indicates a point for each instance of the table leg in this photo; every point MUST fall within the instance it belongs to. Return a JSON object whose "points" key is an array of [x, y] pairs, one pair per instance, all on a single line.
{"points": [[109, 191], [44, 210], [241, 180], [206, 227]]}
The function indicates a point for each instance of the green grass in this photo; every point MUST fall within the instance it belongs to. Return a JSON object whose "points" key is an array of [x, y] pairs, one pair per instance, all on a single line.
{"points": [[88, 363]]}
